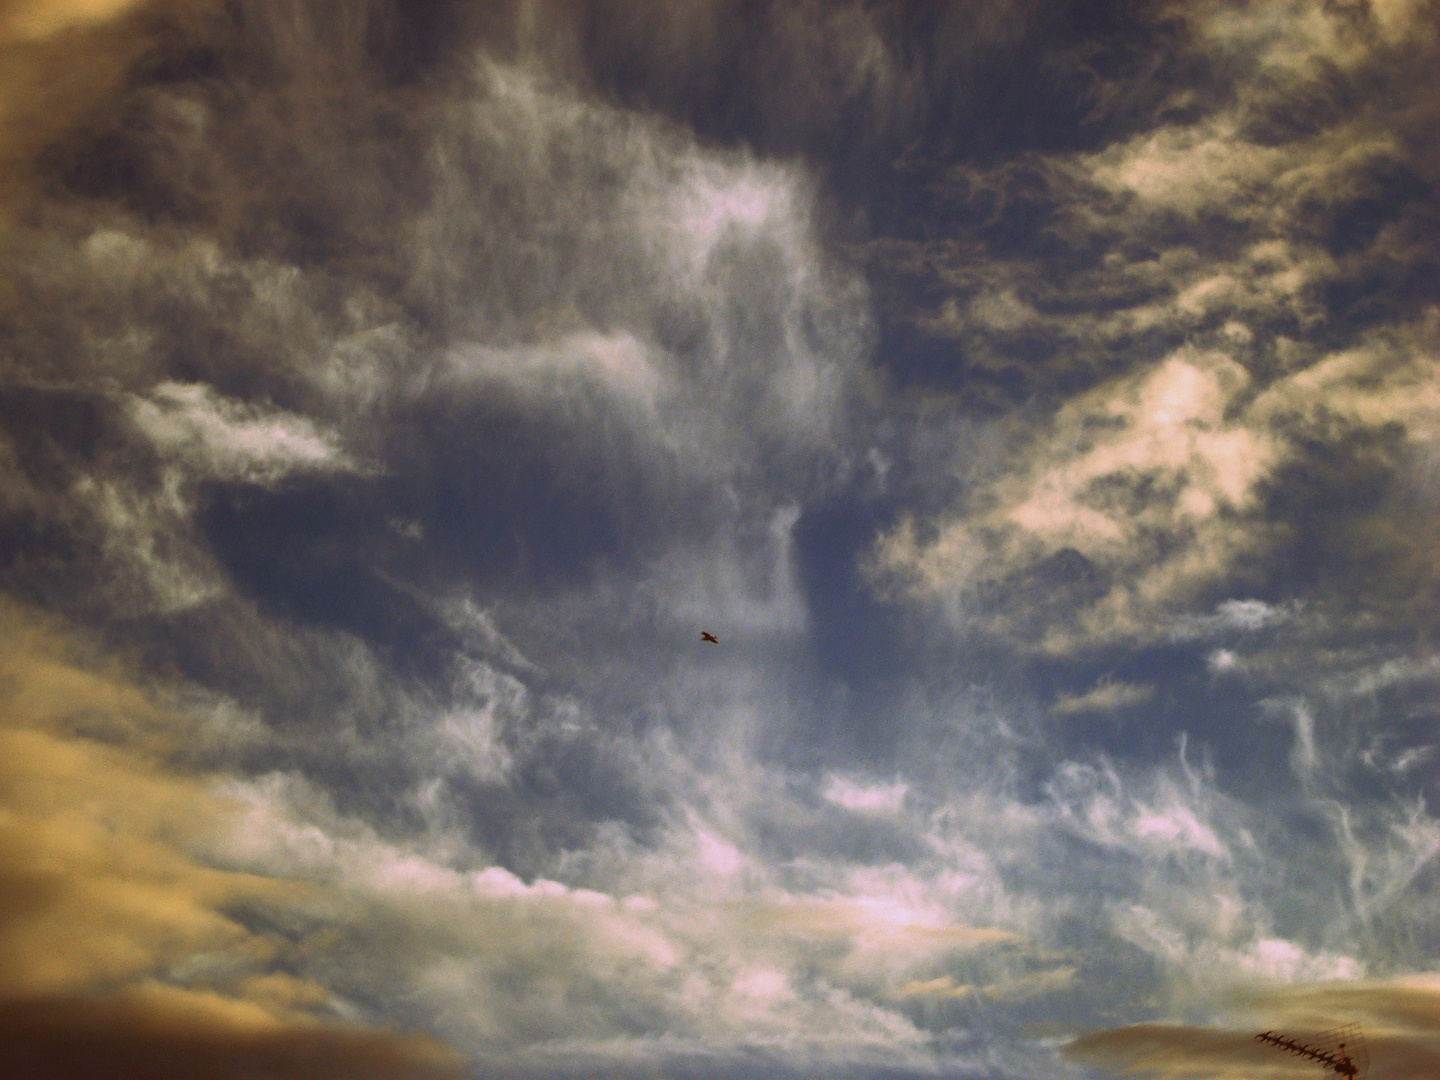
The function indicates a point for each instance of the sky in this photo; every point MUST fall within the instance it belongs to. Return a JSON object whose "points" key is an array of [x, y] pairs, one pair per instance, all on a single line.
{"points": [[1039, 402]]}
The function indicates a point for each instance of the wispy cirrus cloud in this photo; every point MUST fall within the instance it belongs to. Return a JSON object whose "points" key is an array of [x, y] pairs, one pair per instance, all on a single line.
{"points": [[411, 384], [212, 438]]}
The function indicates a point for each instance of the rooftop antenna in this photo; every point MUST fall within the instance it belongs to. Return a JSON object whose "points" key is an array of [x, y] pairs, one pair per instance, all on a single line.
{"points": [[1340, 1050]]}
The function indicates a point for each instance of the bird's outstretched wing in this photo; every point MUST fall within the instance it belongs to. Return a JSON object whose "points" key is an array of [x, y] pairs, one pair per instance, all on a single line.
{"points": [[705, 635]]}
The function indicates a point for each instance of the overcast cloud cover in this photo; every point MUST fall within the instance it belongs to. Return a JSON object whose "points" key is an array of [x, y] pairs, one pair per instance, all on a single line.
{"points": [[1039, 401]]}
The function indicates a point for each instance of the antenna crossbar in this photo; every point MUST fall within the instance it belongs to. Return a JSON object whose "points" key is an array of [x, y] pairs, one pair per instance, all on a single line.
{"points": [[1339, 1063]]}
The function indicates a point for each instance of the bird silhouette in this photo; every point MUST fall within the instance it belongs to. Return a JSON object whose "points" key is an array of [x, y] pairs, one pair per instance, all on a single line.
{"points": [[705, 635]]}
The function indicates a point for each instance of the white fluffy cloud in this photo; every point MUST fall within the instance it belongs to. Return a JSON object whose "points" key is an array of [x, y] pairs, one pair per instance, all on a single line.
{"points": [[693, 961]]}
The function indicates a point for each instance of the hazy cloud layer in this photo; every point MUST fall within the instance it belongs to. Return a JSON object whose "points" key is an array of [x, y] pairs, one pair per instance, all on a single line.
{"points": [[1040, 403]]}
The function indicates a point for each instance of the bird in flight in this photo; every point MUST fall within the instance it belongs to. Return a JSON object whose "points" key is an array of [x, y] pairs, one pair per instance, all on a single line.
{"points": [[705, 635]]}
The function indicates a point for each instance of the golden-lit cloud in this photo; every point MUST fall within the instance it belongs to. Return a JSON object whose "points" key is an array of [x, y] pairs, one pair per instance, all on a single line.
{"points": [[1008, 989], [120, 948], [59, 59], [159, 1033], [35, 20], [1175, 1051], [99, 886], [1399, 1020], [1104, 697]]}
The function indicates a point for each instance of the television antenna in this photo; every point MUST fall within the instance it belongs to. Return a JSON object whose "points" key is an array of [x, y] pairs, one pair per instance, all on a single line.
{"points": [[1339, 1050]]}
